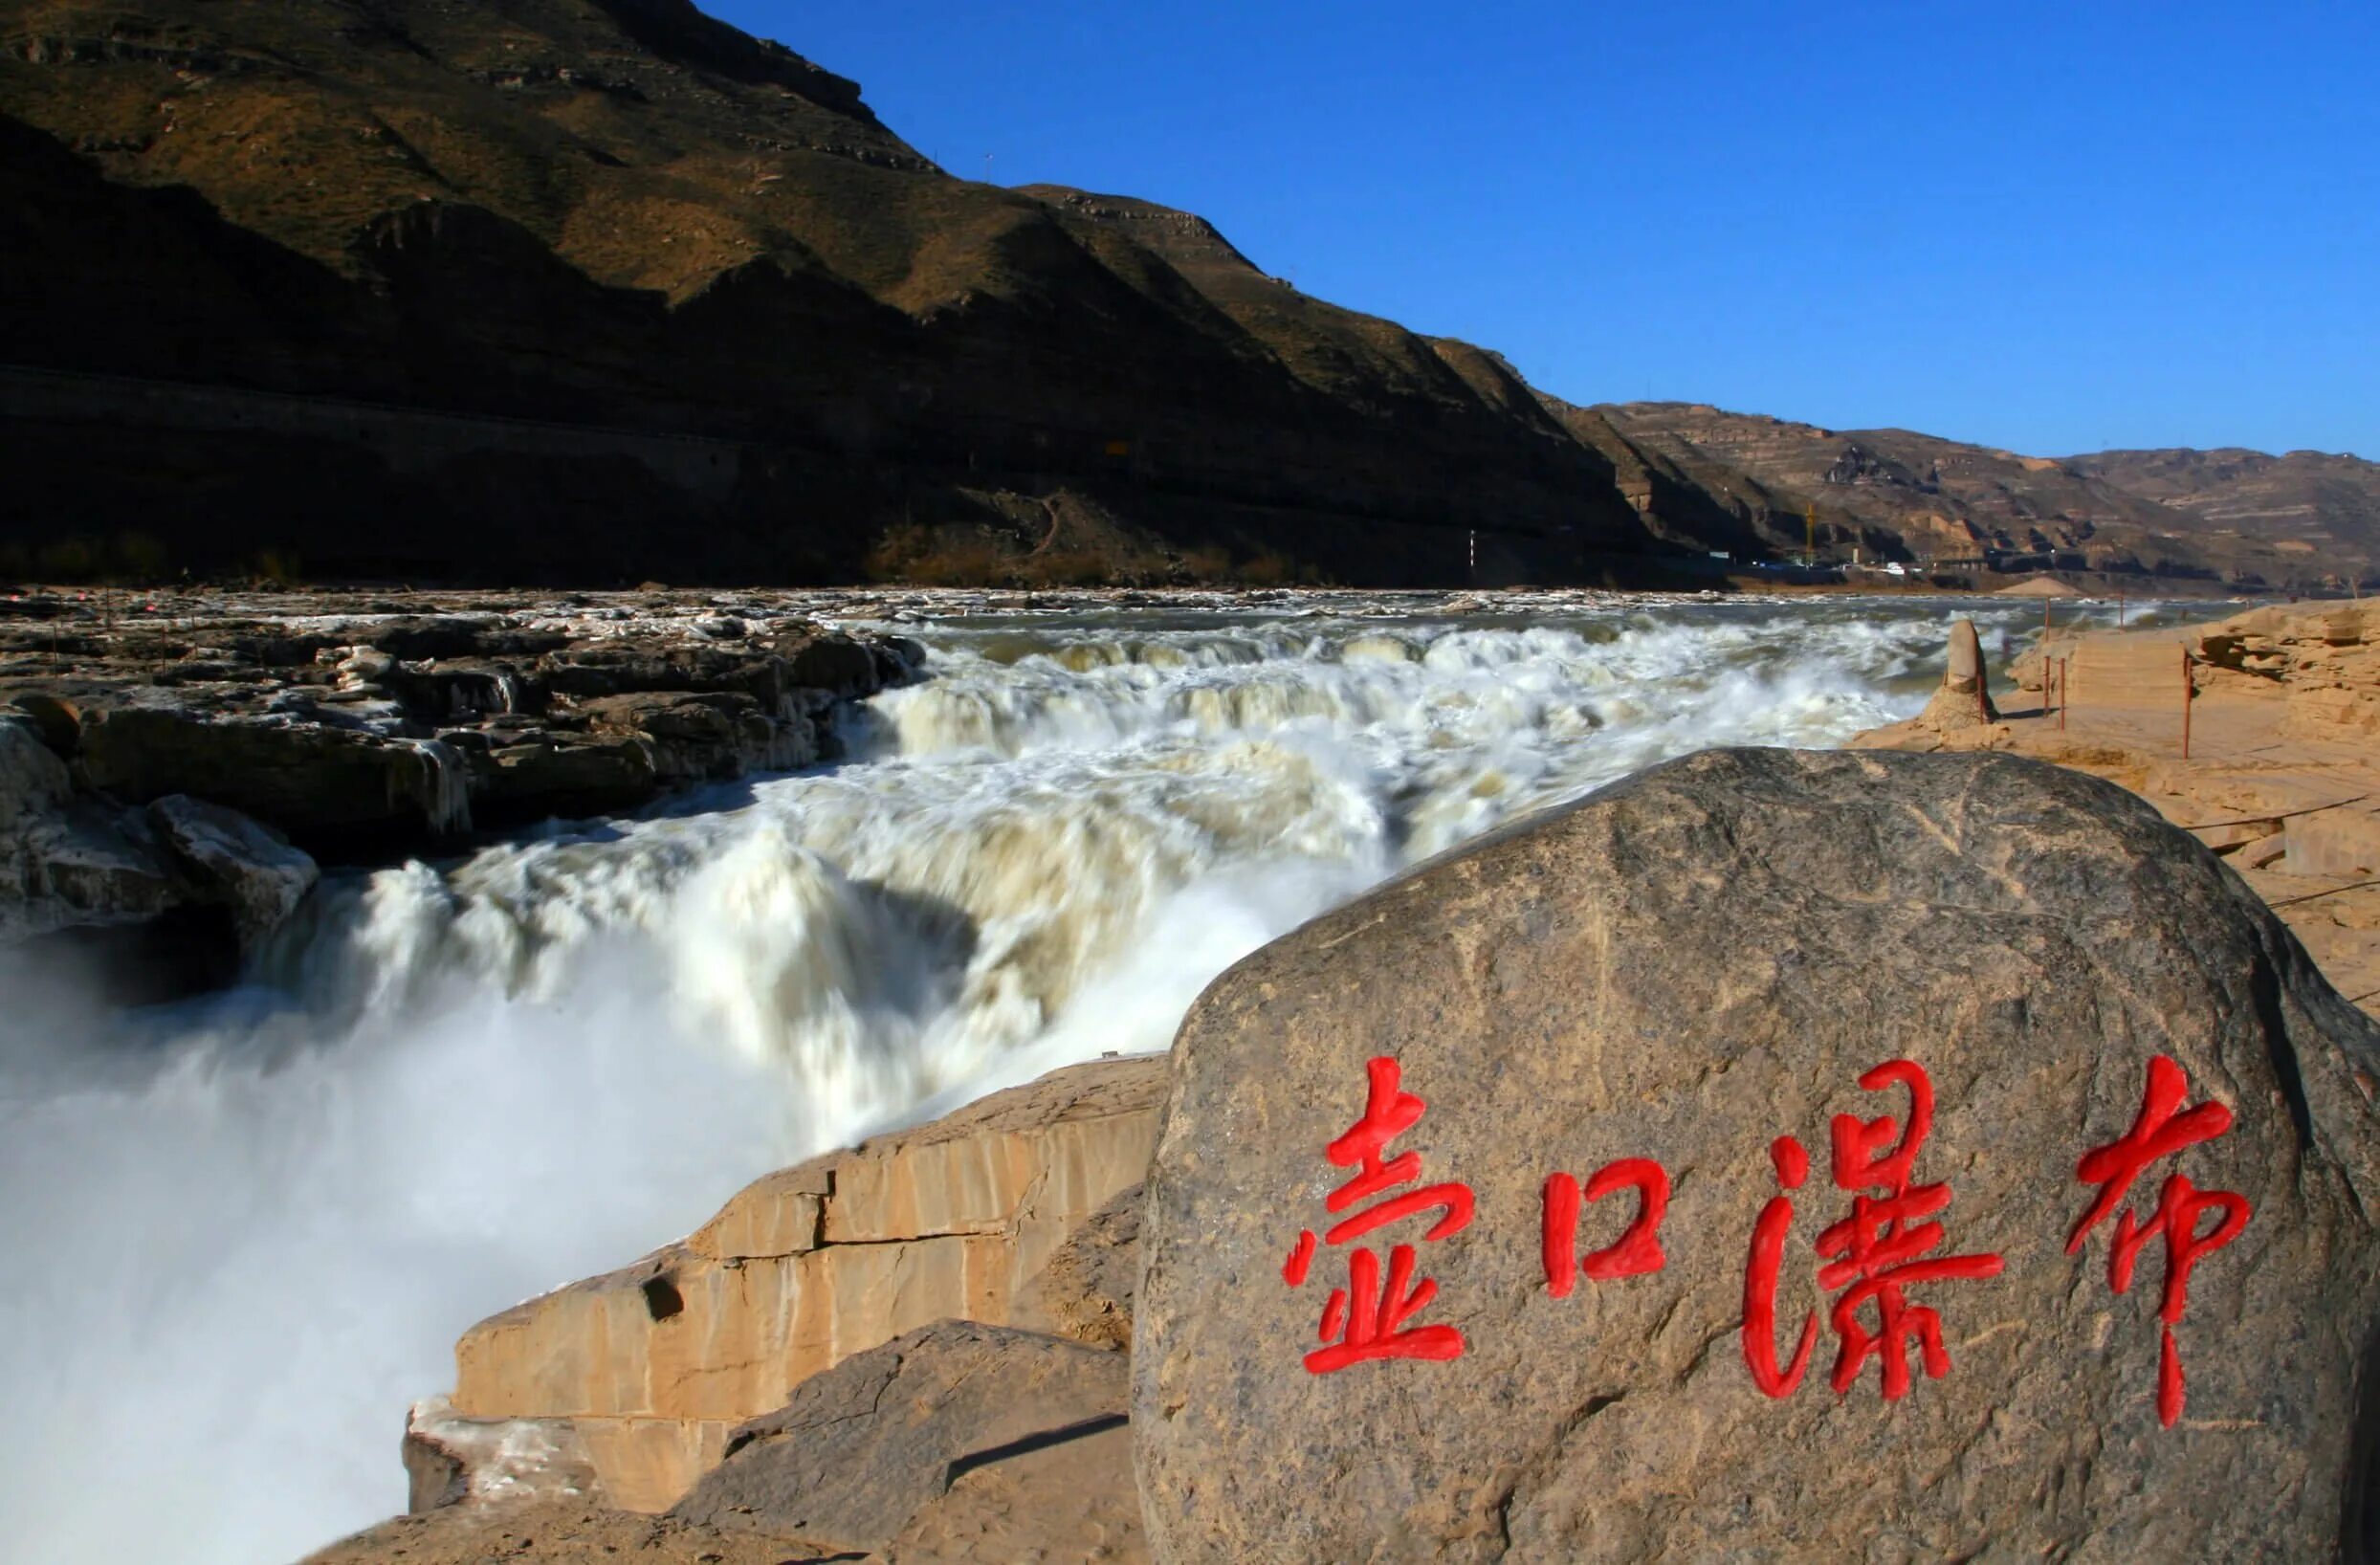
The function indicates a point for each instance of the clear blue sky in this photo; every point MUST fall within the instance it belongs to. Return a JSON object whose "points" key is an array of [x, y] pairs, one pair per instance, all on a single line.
{"points": [[2054, 227]]}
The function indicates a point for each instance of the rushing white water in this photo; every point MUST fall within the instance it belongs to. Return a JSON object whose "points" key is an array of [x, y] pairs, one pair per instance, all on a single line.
{"points": [[244, 1235]]}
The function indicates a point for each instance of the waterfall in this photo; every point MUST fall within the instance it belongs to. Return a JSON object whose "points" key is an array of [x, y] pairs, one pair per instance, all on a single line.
{"points": [[444, 790], [261, 1220]]}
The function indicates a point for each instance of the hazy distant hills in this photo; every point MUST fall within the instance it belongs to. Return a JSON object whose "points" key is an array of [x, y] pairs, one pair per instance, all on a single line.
{"points": [[593, 290], [1700, 473]]}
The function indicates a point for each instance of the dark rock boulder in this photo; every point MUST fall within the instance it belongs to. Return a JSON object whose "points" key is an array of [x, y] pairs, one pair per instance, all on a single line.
{"points": [[698, 735], [322, 784], [66, 861], [571, 776], [954, 1433], [2006, 1099], [235, 863]]}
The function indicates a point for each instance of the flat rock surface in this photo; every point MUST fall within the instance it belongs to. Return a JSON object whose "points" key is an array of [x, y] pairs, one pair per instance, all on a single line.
{"points": [[553, 1533], [1948, 980], [869, 1454], [345, 718]]}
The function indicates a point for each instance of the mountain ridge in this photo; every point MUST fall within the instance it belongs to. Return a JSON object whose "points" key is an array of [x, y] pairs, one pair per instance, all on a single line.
{"points": [[1895, 492], [626, 214]]}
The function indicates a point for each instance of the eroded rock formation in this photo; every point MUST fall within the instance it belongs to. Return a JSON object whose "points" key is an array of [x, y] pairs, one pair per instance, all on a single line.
{"points": [[647, 1370], [197, 749]]}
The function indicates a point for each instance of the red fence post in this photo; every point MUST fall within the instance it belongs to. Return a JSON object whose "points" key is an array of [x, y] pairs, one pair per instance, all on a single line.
{"points": [[2189, 692]]}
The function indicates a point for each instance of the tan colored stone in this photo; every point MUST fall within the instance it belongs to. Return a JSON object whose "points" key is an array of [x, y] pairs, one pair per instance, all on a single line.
{"points": [[779, 1214], [646, 1464], [809, 1265], [2284, 771]]}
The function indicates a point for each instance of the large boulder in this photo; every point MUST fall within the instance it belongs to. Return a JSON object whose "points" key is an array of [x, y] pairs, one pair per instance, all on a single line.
{"points": [[320, 785], [1086, 1290], [2081, 1257], [233, 861], [956, 1416], [952, 1444], [67, 862]]}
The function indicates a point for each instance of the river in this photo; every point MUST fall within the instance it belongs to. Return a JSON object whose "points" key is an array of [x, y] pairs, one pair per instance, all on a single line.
{"points": [[243, 1234]]}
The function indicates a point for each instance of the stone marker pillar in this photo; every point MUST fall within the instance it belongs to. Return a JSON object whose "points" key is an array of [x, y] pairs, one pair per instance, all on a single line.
{"points": [[1965, 699]]}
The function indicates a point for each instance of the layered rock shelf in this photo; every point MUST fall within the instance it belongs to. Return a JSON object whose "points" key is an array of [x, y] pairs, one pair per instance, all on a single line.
{"points": [[194, 753], [627, 1386]]}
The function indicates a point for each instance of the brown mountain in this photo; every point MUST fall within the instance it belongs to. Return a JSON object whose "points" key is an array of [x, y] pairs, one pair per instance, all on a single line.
{"points": [[1711, 479], [2310, 506], [601, 290], [608, 289]]}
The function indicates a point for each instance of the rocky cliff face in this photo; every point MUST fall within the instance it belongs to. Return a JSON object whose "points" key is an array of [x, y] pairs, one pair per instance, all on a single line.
{"points": [[627, 1386], [587, 216], [168, 773]]}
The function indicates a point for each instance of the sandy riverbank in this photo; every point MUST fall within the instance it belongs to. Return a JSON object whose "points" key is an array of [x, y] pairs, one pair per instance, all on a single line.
{"points": [[2283, 770]]}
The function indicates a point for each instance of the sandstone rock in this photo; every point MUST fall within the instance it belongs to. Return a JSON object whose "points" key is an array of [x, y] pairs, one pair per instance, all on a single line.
{"points": [[1085, 1291], [1686, 967], [561, 1531], [248, 868], [451, 1460], [1073, 1500], [954, 1445], [861, 1449], [1965, 699], [654, 1364]]}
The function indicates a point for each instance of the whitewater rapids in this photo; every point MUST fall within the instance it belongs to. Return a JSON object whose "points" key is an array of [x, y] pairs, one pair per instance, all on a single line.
{"points": [[245, 1234]]}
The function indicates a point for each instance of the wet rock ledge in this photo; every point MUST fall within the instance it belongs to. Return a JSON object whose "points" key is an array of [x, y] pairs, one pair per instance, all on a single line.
{"points": [[175, 765]]}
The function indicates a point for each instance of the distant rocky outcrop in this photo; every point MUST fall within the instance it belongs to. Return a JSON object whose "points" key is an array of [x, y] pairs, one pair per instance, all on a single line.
{"points": [[2281, 771], [1500, 1215]]}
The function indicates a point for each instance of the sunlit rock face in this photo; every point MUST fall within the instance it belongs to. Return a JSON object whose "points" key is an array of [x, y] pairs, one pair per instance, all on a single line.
{"points": [[1775, 1153], [642, 1373]]}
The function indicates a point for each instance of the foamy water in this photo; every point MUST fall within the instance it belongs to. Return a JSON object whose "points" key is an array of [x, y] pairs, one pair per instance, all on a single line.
{"points": [[245, 1234]]}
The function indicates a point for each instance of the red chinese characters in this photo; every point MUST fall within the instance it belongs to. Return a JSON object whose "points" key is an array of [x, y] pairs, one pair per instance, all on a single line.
{"points": [[1874, 1256], [2162, 1129], [1634, 1253], [1368, 1318]]}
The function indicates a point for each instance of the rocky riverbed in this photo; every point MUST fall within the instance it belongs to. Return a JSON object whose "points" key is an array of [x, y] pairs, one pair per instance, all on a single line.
{"points": [[177, 763], [535, 1048]]}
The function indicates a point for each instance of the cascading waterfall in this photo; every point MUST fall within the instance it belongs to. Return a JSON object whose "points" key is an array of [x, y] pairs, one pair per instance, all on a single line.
{"points": [[445, 789], [248, 1230]]}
